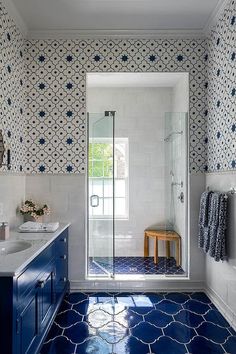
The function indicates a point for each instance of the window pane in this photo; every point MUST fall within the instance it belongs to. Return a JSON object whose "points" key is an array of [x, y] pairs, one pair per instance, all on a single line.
{"points": [[101, 176], [97, 169], [98, 211], [96, 187], [120, 188], [102, 156], [120, 206], [108, 187], [108, 206]]}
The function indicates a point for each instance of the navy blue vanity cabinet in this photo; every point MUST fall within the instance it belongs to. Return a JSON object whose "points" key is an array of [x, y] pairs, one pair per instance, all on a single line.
{"points": [[29, 300], [61, 262]]}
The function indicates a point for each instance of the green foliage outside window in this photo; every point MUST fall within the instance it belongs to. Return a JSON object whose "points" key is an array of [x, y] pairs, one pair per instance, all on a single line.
{"points": [[100, 160]]}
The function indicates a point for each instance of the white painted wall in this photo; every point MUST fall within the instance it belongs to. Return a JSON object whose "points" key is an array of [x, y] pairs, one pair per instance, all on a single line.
{"points": [[221, 276], [140, 114], [12, 194]]}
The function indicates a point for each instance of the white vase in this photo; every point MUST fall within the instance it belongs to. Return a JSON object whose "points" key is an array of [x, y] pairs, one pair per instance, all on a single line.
{"points": [[30, 218]]}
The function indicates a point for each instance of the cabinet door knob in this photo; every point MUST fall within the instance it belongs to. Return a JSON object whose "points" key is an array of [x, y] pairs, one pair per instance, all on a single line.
{"points": [[63, 239], [64, 257], [41, 283], [63, 279]]}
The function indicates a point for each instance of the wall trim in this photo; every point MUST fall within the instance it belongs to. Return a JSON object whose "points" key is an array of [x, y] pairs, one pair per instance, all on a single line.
{"points": [[224, 309], [214, 17], [141, 34], [14, 14], [143, 286], [219, 173], [115, 34]]}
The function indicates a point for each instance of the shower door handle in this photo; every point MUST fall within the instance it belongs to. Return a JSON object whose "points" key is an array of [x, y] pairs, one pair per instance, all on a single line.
{"points": [[94, 200]]}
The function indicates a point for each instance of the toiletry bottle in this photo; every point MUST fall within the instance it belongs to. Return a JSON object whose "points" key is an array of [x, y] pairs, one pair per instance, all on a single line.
{"points": [[4, 231]]}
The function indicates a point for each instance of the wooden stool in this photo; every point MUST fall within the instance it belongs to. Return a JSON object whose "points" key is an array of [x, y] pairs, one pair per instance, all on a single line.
{"points": [[164, 236]]}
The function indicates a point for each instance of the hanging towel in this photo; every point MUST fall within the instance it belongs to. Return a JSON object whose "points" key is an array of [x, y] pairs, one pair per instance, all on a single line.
{"points": [[220, 244], [203, 234], [214, 209]]}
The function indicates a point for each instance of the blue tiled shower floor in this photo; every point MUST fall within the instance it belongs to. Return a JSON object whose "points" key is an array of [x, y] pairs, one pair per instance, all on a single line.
{"points": [[135, 323], [135, 265]]}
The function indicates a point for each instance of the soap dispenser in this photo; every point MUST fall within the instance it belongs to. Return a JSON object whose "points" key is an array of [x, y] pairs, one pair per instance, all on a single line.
{"points": [[4, 231]]}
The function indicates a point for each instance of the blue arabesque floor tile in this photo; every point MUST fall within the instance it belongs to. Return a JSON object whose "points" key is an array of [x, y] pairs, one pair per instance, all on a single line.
{"points": [[139, 323], [134, 265]]}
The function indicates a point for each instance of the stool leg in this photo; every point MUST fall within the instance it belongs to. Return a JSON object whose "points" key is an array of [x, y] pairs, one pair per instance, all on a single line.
{"points": [[177, 252], [146, 245], [167, 249], [156, 250]]}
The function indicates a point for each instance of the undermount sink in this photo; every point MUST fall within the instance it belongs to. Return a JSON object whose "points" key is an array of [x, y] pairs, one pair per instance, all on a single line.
{"points": [[9, 247]]}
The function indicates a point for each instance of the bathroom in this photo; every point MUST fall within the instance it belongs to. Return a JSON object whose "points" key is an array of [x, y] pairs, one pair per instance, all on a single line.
{"points": [[47, 64]]}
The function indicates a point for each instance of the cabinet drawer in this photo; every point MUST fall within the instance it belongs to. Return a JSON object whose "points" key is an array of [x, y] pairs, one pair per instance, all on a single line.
{"points": [[27, 279]]}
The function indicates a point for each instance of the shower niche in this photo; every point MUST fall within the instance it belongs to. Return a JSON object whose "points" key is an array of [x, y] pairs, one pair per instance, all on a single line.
{"points": [[137, 175]]}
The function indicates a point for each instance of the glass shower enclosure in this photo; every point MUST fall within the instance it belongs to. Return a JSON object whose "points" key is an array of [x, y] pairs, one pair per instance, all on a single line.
{"points": [[101, 198], [100, 191], [176, 185]]}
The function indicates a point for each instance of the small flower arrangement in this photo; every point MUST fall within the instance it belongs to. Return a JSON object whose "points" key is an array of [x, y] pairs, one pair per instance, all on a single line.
{"points": [[32, 209]]}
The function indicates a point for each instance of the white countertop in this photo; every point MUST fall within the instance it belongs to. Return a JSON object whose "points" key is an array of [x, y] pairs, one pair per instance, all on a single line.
{"points": [[12, 264]]}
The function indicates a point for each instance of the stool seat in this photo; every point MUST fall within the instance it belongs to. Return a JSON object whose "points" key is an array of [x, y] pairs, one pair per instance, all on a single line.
{"points": [[163, 235]]}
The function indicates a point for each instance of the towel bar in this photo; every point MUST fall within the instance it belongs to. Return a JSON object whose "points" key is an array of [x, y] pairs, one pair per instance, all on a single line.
{"points": [[231, 191]]}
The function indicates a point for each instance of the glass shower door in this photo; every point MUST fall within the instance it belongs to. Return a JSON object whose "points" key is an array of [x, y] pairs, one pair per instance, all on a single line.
{"points": [[176, 192], [100, 221]]}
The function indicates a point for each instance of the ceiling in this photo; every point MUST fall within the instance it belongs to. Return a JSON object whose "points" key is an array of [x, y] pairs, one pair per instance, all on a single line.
{"points": [[115, 14], [135, 79]]}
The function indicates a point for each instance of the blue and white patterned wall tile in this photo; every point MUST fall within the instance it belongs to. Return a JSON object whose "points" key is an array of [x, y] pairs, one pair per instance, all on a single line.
{"points": [[56, 93], [12, 91], [222, 92], [56, 87]]}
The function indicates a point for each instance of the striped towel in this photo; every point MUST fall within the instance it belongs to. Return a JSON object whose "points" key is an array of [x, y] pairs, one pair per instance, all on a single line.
{"points": [[214, 210], [212, 224], [218, 250], [203, 234]]}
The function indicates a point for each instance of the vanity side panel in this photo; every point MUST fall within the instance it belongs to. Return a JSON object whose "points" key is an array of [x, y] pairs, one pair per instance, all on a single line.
{"points": [[7, 317]]}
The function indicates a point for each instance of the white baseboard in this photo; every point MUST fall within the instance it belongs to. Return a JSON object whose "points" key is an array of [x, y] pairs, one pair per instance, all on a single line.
{"points": [[224, 309], [132, 285]]}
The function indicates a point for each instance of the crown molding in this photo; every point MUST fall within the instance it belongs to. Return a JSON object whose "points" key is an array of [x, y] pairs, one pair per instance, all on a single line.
{"points": [[112, 34], [115, 34], [14, 14], [214, 17]]}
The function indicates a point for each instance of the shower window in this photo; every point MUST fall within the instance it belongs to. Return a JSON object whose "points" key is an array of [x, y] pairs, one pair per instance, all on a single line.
{"points": [[101, 177]]}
